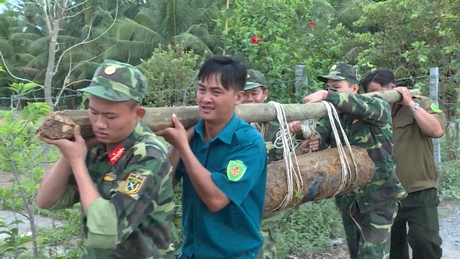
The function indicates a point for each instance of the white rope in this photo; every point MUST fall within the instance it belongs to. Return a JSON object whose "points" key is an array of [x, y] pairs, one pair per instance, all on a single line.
{"points": [[284, 140], [346, 169]]}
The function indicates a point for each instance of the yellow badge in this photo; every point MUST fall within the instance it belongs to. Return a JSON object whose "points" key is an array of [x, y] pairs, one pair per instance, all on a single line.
{"points": [[333, 67], [354, 121], [109, 177], [435, 108], [109, 70], [133, 184]]}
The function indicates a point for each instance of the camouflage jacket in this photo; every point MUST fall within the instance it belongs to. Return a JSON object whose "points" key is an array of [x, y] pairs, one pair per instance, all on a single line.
{"points": [[367, 123], [268, 131], [132, 218]]}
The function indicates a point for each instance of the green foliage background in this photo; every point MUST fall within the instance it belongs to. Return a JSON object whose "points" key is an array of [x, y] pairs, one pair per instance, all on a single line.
{"points": [[168, 41]]}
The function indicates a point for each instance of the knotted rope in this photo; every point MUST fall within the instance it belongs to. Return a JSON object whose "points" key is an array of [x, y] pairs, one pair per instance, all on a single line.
{"points": [[293, 175], [346, 169], [286, 140]]}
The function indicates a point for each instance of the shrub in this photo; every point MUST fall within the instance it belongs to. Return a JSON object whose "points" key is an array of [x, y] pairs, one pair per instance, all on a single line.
{"points": [[171, 74]]}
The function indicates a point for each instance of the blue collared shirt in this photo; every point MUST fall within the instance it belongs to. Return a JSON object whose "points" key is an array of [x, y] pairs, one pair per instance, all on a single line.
{"points": [[234, 230]]}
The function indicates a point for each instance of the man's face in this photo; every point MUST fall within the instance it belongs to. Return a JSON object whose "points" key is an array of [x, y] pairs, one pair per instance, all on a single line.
{"points": [[255, 95], [113, 121], [216, 104], [342, 86], [377, 87]]}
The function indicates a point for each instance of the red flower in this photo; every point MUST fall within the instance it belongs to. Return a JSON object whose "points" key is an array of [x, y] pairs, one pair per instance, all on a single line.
{"points": [[255, 40], [312, 24]]}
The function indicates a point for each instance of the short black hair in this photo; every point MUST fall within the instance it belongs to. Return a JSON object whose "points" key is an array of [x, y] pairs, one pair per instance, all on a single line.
{"points": [[232, 73], [382, 76]]}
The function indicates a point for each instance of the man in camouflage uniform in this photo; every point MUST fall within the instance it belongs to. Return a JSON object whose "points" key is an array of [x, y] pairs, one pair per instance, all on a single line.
{"points": [[256, 91], [367, 212], [416, 120], [122, 177]]}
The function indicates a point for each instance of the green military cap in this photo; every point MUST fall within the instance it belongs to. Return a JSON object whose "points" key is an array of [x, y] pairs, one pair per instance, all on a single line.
{"points": [[116, 81], [342, 71], [254, 79]]}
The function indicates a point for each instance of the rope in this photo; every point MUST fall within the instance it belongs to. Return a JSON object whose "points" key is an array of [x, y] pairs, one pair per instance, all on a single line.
{"points": [[308, 131], [284, 139], [346, 169]]}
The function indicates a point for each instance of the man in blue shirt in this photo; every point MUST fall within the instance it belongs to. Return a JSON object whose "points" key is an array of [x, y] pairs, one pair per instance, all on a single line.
{"points": [[223, 164]]}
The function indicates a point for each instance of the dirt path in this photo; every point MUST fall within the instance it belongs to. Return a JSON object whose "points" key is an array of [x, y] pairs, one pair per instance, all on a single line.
{"points": [[449, 213]]}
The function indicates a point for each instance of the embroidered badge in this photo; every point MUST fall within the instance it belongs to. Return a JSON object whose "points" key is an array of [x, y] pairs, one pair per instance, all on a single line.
{"points": [[354, 121], [133, 183], [435, 108], [116, 154], [109, 177], [109, 70], [333, 67], [235, 170]]}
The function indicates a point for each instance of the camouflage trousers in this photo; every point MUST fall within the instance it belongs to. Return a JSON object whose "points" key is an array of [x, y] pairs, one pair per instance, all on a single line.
{"points": [[268, 249], [368, 234]]}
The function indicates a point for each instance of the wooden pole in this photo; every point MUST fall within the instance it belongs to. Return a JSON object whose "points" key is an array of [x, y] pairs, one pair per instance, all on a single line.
{"points": [[160, 117]]}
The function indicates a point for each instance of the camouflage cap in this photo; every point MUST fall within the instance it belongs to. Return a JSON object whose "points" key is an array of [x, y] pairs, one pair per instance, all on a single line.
{"points": [[254, 79], [342, 71], [116, 81]]}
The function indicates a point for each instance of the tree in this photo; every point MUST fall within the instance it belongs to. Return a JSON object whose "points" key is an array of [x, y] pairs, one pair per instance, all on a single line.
{"points": [[411, 37], [274, 36], [178, 22], [50, 49]]}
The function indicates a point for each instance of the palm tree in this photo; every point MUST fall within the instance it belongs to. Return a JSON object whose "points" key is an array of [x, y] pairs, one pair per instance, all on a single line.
{"points": [[75, 53], [185, 22]]}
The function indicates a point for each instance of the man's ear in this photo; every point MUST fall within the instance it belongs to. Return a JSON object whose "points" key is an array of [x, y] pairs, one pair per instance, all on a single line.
{"points": [[140, 112], [265, 94], [239, 97], [355, 88]]}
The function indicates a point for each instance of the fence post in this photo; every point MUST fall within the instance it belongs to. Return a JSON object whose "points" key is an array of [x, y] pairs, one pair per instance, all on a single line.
{"points": [[434, 90], [300, 80]]}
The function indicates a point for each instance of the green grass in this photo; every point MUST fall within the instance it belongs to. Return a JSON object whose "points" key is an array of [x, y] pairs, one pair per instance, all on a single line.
{"points": [[309, 229]]}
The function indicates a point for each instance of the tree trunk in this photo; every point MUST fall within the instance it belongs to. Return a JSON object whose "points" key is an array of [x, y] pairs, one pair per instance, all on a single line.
{"points": [[160, 117], [322, 177], [51, 57]]}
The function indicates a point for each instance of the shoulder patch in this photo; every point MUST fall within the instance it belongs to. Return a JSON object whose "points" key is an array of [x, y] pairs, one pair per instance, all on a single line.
{"points": [[435, 108], [235, 170], [132, 184], [355, 121]]}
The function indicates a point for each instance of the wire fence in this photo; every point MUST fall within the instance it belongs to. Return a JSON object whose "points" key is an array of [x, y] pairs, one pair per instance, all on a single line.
{"points": [[24, 159]]}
